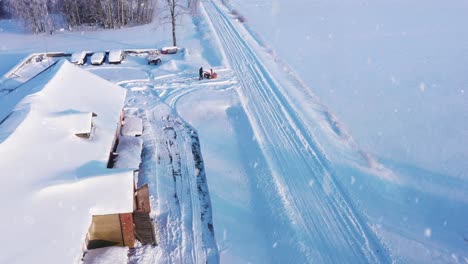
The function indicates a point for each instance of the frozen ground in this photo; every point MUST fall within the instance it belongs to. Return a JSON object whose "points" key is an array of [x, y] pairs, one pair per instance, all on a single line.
{"points": [[287, 181]]}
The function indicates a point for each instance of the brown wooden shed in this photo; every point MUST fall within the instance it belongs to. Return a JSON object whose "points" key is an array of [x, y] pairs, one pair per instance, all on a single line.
{"points": [[123, 228], [111, 230]]}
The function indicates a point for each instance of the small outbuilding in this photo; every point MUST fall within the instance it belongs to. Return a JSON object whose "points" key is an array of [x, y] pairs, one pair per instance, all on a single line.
{"points": [[126, 220], [112, 217]]}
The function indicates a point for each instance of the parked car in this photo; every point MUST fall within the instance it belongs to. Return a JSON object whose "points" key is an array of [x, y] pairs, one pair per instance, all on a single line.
{"points": [[98, 58], [153, 57], [116, 56], [78, 58], [169, 50]]}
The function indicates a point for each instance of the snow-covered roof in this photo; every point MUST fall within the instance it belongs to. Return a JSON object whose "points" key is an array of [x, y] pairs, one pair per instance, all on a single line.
{"points": [[53, 181], [115, 55], [169, 48], [76, 122], [102, 191], [132, 126], [129, 150]]}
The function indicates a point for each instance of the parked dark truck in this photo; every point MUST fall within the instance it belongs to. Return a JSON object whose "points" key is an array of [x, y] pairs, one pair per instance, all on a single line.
{"points": [[153, 57]]}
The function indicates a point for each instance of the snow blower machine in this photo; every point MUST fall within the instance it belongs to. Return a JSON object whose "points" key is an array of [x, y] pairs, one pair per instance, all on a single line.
{"points": [[210, 75]]}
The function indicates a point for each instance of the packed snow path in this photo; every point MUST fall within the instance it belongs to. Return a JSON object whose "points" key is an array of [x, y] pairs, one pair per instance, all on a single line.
{"points": [[173, 167], [316, 215]]}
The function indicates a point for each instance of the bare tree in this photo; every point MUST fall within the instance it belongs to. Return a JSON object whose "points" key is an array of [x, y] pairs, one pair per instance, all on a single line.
{"points": [[192, 6], [174, 11], [34, 12], [4, 10], [101, 13]]}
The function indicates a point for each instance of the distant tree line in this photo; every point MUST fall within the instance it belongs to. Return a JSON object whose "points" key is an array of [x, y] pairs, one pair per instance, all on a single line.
{"points": [[3, 10], [46, 15], [41, 15]]}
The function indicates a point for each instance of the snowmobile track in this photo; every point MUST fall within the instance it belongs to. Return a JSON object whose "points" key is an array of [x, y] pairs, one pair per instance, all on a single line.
{"points": [[322, 221]]}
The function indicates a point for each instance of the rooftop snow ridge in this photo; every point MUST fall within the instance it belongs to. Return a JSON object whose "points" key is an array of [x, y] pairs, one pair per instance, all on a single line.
{"points": [[61, 87]]}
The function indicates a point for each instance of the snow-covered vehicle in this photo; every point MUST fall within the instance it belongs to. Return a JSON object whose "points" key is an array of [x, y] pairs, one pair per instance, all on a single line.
{"points": [[153, 57], [78, 58], [169, 50], [116, 56], [98, 58]]}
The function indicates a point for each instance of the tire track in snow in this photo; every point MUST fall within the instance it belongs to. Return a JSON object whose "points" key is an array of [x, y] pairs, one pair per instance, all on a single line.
{"points": [[324, 224], [173, 166], [172, 169]]}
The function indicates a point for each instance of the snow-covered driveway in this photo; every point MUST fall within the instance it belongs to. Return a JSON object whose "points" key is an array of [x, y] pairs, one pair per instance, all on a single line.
{"points": [[173, 168], [315, 215]]}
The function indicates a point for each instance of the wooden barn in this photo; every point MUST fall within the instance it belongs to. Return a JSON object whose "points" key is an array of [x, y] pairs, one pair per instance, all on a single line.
{"points": [[64, 123], [124, 227]]}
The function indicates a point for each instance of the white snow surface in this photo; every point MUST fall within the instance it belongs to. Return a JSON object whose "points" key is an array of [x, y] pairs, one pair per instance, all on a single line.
{"points": [[97, 57], [386, 190], [115, 55], [295, 171], [108, 255], [79, 122], [132, 126], [171, 48], [394, 75], [57, 180], [129, 151], [78, 57]]}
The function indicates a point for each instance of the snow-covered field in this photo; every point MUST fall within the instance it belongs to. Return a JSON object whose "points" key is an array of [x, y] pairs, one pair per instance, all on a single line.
{"points": [[361, 159], [393, 71]]}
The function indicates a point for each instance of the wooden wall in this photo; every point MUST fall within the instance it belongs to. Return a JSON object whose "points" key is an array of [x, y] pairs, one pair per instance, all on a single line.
{"points": [[111, 230], [128, 232], [142, 199]]}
